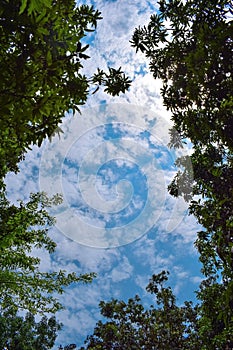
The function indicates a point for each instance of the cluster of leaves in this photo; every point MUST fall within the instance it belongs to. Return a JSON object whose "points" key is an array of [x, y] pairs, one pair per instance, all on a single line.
{"points": [[131, 326], [24, 229], [190, 48], [165, 325], [193, 58], [42, 56], [24, 333], [41, 61]]}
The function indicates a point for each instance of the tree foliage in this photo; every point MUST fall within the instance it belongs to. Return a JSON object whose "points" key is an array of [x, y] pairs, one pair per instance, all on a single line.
{"points": [[192, 55], [24, 229], [190, 48], [165, 325], [130, 326], [24, 333], [42, 55]]}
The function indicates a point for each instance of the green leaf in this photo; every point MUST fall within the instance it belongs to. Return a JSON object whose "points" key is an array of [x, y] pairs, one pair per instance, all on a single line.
{"points": [[23, 6]]}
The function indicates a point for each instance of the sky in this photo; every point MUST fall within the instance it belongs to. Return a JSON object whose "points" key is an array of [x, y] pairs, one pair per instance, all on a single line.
{"points": [[112, 166]]}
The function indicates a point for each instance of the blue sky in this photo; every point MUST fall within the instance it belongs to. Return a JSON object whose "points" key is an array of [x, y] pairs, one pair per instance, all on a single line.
{"points": [[112, 165]]}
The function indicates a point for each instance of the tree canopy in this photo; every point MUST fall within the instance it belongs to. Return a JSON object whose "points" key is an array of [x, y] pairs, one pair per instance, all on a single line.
{"points": [[189, 45], [164, 325], [130, 326], [22, 285], [42, 56], [24, 333]]}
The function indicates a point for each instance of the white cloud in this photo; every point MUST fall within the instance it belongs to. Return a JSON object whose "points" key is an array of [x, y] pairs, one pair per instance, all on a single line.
{"points": [[123, 271]]}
